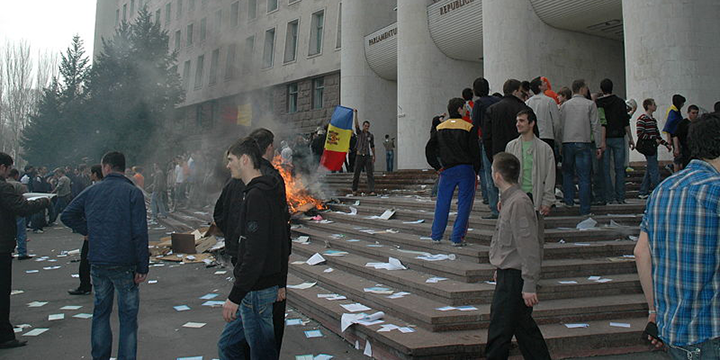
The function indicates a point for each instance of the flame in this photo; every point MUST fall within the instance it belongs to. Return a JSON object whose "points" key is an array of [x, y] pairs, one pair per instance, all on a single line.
{"points": [[298, 197]]}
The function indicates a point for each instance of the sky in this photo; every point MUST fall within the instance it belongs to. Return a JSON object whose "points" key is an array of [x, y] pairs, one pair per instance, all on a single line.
{"points": [[48, 24]]}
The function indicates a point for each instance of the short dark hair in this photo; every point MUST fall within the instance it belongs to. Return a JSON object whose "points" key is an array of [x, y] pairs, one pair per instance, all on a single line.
{"points": [[247, 146], [13, 173], [577, 85], [467, 94], [510, 86], [606, 86], [647, 102], [693, 107], [530, 115], [97, 170], [366, 122], [497, 94], [508, 166], [115, 159], [716, 107], [28, 168], [263, 137], [678, 100], [535, 85], [5, 159], [704, 137], [453, 105], [564, 91], [481, 87]]}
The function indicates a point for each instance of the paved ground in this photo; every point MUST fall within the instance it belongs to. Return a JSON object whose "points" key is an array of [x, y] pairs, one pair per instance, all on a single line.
{"points": [[161, 335]]}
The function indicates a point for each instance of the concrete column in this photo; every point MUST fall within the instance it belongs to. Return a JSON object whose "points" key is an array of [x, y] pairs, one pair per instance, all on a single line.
{"points": [[672, 47], [360, 87], [427, 79]]}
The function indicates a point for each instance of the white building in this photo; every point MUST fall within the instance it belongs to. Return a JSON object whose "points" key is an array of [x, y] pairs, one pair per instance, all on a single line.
{"points": [[399, 61]]}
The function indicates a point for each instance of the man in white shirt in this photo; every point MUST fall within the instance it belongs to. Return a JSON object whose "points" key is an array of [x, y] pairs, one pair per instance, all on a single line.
{"points": [[546, 110]]}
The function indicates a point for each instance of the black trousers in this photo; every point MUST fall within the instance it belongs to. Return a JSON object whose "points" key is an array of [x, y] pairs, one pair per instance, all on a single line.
{"points": [[6, 329], [84, 268], [363, 162], [509, 316]]}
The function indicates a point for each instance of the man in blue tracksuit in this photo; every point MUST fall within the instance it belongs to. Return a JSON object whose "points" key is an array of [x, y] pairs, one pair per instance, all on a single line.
{"points": [[456, 144], [112, 215]]}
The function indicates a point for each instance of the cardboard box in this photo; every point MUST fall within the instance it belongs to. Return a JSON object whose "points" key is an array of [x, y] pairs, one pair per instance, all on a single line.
{"points": [[183, 243]]}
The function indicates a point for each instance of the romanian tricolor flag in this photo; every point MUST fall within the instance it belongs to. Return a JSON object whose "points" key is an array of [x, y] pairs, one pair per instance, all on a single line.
{"points": [[337, 141]]}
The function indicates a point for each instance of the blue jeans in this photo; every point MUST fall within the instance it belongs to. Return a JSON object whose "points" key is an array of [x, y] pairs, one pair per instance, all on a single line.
{"points": [[60, 204], [463, 178], [710, 349], [254, 324], [577, 157], [157, 205], [615, 148], [492, 191], [390, 159], [598, 178], [107, 279], [21, 236], [652, 175]]}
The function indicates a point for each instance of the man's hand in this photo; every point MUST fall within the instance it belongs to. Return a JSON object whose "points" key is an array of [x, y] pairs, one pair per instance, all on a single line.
{"points": [[139, 278], [545, 210], [499, 206], [530, 299], [598, 153], [676, 152], [373, 159], [355, 111], [632, 145], [282, 294], [230, 311], [652, 318], [495, 276]]}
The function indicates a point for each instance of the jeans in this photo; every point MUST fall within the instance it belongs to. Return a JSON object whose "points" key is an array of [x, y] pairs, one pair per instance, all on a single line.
{"points": [[598, 178], [254, 324], [84, 270], [21, 236], [390, 159], [60, 205], [107, 279], [6, 329], [463, 178], [615, 148], [710, 349], [509, 316], [652, 175], [363, 162], [577, 157], [492, 191], [157, 205]]}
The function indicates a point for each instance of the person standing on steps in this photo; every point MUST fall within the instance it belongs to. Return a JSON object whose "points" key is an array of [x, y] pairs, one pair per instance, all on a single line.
{"points": [[389, 152], [365, 157]]}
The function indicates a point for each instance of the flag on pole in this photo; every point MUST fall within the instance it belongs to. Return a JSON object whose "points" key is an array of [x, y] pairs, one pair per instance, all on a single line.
{"points": [[337, 140]]}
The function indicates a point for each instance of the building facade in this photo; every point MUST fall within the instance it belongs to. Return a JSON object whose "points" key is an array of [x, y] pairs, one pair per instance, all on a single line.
{"points": [[399, 61]]}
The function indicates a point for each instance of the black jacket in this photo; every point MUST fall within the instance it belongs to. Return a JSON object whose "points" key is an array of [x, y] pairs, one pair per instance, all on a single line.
{"points": [[455, 142], [13, 204], [499, 124], [478, 112], [616, 115], [263, 249]]}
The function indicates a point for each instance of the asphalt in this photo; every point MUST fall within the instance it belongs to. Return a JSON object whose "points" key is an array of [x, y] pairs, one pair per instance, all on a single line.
{"points": [[161, 333]]}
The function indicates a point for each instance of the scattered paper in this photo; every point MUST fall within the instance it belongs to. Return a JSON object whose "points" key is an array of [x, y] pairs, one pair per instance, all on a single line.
{"points": [[352, 240], [83, 316], [75, 275], [378, 290], [323, 357], [388, 327], [53, 317], [594, 278], [31, 271], [446, 308], [437, 257], [185, 358], [305, 285], [355, 307], [568, 282], [214, 303], [398, 295], [406, 330], [387, 214], [152, 281], [621, 325], [586, 224], [302, 240], [368, 349], [336, 253], [581, 244], [357, 203], [315, 259], [37, 303], [328, 270], [435, 280], [633, 238], [35, 332], [304, 357], [297, 262], [604, 280], [392, 264], [16, 292], [614, 224], [491, 283], [629, 256], [71, 307], [291, 322], [181, 308], [209, 296], [194, 325], [353, 211], [414, 222], [51, 267], [466, 308], [576, 326], [313, 334], [220, 272]]}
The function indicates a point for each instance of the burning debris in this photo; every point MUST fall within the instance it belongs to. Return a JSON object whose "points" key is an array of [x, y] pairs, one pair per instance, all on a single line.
{"points": [[299, 198]]}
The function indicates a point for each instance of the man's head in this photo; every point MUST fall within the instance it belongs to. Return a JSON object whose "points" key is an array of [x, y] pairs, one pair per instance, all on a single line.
{"points": [[456, 108], [113, 162], [564, 94], [524, 90], [525, 121], [716, 107], [6, 163], [536, 85], [59, 172], [481, 87], [96, 173], [606, 86], [579, 87], [467, 94], [678, 101], [366, 126], [505, 169], [704, 137], [512, 87], [264, 139], [137, 169], [29, 169], [649, 105], [693, 111], [243, 156], [14, 174]]}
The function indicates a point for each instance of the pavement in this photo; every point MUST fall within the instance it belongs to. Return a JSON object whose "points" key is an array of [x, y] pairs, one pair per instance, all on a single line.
{"points": [[161, 333]]}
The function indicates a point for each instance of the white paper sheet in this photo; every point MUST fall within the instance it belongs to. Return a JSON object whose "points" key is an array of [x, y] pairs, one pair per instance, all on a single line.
{"points": [[387, 214], [586, 224], [576, 326], [35, 332], [368, 349], [71, 307], [194, 325], [620, 325], [355, 307], [315, 259], [53, 317], [305, 285], [435, 280]]}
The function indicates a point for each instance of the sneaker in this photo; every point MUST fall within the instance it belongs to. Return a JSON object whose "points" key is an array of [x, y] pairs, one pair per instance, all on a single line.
{"points": [[641, 196], [436, 242], [490, 217], [459, 244], [24, 257], [38, 231], [79, 291]]}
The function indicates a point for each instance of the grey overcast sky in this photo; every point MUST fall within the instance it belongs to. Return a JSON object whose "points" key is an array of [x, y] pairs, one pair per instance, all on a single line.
{"points": [[47, 24]]}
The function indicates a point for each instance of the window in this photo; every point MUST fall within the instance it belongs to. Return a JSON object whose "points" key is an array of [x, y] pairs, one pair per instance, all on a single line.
{"points": [[203, 29], [291, 40], [338, 40], [167, 13], [268, 54], [230, 62], [189, 35], [132, 7], [318, 92], [248, 52], [117, 17], [316, 33], [177, 39], [272, 5], [199, 71], [214, 63], [186, 74], [125, 12], [252, 9], [292, 100], [191, 5], [157, 16], [218, 21], [179, 9], [234, 13]]}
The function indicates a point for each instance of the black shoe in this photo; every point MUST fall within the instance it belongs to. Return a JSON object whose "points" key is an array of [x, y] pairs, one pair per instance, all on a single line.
{"points": [[485, 202], [24, 257], [79, 291], [490, 217], [12, 344]]}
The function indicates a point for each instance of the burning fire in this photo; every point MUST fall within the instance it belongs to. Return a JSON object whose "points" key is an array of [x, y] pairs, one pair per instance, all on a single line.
{"points": [[298, 197]]}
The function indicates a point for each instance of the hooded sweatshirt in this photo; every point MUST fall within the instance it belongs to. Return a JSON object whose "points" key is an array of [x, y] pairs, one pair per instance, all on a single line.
{"points": [[615, 114], [263, 249]]}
